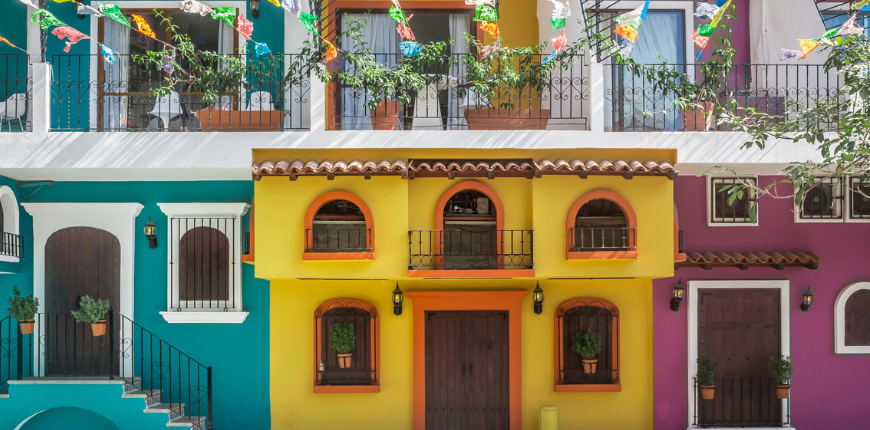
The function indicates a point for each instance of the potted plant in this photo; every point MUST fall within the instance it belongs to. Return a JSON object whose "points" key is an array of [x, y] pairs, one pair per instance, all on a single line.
{"points": [[706, 377], [23, 309], [588, 345], [782, 368], [343, 340], [93, 312]]}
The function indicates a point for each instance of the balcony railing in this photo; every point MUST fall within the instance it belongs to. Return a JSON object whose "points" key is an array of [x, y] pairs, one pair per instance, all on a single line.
{"points": [[741, 402], [633, 104], [450, 102], [470, 250], [338, 239], [603, 239], [10, 245], [16, 93], [119, 97]]}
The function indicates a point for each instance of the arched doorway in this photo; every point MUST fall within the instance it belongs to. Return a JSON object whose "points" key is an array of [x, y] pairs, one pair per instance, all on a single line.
{"points": [[79, 261], [67, 419]]}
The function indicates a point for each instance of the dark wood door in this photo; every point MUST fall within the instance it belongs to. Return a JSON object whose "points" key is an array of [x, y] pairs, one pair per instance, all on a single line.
{"points": [[740, 330], [79, 261], [467, 373]]}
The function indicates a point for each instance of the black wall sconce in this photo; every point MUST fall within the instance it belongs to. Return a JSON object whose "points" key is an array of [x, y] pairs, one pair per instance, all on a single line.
{"points": [[807, 300], [255, 9], [679, 293], [151, 233], [538, 298], [398, 298]]}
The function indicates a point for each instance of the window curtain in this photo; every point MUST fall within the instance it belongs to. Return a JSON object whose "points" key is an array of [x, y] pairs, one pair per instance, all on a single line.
{"points": [[459, 25], [116, 37]]}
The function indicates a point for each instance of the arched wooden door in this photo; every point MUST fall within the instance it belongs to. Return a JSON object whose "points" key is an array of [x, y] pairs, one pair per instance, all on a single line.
{"points": [[79, 261]]}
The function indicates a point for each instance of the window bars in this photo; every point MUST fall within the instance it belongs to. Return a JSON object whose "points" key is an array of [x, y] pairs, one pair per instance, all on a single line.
{"points": [[735, 212], [10, 245], [603, 239], [824, 201], [202, 261], [578, 317]]}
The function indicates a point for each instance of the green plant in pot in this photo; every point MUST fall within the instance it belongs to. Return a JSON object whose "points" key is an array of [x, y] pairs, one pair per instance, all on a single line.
{"points": [[23, 309], [706, 377], [343, 340], [93, 311], [782, 369], [588, 345]]}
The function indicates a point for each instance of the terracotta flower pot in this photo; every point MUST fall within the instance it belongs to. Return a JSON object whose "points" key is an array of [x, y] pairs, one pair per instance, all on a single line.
{"points": [[507, 119], [589, 366], [782, 391], [344, 361], [697, 119], [98, 328], [386, 115], [708, 391], [26, 327]]}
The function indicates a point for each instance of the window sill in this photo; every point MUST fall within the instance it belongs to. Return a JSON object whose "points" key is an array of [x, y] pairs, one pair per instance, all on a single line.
{"points": [[342, 389], [9, 259], [340, 256], [248, 258], [602, 255], [588, 388], [493, 273], [202, 317]]}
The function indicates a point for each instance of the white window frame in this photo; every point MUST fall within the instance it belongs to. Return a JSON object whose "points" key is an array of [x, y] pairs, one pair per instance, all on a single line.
{"points": [[785, 329], [840, 320], [720, 222], [849, 196], [843, 207], [11, 218], [216, 314]]}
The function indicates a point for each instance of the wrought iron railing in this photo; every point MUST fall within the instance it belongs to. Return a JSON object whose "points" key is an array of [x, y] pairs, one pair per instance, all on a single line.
{"points": [[16, 93], [11, 245], [60, 347], [457, 249], [203, 265], [603, 239], [120, 97], [780, 90], [329, 239], [741, 402], [450, 102]]}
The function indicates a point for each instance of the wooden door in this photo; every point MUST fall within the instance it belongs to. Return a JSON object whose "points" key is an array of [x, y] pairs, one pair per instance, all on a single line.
{"points": [[79, 261], [467, 379], [740, 330]]}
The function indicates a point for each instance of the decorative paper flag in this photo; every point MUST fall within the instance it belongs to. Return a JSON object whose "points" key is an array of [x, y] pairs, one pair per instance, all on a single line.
{"points": [[168, 63], [557, 23], [488, 49], [561, 11], [396, 2], [491, 28], [410, 48], [861, 4], [62, 1], [720, 14], [226, 14], [551, 57], [292, 6], [6, 41], [701, 41], [308, 21], [485, 13], [706, 11], [808, 45], [83, 9], [706, 30], [45, 19], [275, 2], [114, 13], [68, 33], [625, 47], [142, 26], [108, 54], [627, 32], [245, 27], [262, 49], [629, 23], [405, 32], [790, 54], [196, 6], [476, 2], [559, 42], [29, 3], [331, 53], [851, 26], [720, 2], [398, 15]]}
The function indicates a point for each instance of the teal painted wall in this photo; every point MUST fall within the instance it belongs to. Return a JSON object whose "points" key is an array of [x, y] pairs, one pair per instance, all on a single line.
{"points": [[238, 353], [14, 27], [21, 275], [68, 419]]}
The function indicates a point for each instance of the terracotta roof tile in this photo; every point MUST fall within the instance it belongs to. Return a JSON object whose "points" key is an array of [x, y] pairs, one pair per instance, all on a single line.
{"points": [[744, 260], [618, 167], [457, 167], [328, 168]]}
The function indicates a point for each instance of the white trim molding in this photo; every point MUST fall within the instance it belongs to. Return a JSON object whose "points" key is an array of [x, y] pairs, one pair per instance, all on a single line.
{"points": [[11, 218], [692, 315], [840, 346], [712, 221]]}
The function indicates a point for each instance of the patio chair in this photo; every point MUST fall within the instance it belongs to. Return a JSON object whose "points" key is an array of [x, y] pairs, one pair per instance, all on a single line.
{"points": [[165, 108], [13, 109]]}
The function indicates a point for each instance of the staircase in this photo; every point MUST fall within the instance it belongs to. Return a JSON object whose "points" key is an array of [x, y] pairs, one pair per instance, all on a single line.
{"points": [[62, 354]]}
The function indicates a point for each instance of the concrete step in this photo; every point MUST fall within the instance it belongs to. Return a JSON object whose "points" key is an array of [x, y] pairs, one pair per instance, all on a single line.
{"points": [[165, 408], [186, 422], [141, 394]]}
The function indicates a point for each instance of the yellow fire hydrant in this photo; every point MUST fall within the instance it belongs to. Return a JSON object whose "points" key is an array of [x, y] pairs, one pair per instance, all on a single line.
{"points": [[548, 419]]}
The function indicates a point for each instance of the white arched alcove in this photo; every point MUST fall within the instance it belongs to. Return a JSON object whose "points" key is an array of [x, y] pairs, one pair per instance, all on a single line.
{"points": [[840, 346], [11, 218]]}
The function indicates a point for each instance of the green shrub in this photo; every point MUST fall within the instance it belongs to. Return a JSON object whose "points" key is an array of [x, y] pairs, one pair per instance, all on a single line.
{"points": [[588, 344], [782, 369], [22, 308], [90, 310], [342, 338], [706, 371]]}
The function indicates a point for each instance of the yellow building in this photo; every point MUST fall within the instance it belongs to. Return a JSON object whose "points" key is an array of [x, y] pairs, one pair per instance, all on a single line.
{"points": [[466, 236]]}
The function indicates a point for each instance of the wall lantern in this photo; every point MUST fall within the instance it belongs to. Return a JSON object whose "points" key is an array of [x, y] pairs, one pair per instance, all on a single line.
{"points": [[807, 300], [679, 293], [255, 8], [151, 233], [538, 298], [398, 298]]}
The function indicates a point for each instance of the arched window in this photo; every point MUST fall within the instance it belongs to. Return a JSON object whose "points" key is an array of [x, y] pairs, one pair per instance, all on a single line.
{"points": [[601, 225], [339, 226], [10, 241], [852, 315], [203, 267], [576, 317], [359, 372]]}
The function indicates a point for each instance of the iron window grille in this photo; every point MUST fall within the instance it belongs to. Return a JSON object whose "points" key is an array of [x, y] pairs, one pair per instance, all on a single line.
{"points": [[466, 247], [824, 201], [10, 245], [203, 258], [338, 236], [576, 316], [363, 369], [860, 199], [603, 239], [724, 211]]}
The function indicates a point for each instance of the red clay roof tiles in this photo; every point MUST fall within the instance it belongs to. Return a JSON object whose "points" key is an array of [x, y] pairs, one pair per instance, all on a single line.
{"points": [[744, 260]]}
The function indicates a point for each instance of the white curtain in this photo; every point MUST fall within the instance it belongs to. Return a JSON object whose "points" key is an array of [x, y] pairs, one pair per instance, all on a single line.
{"points": [[116, 37], [459, 25], [383, 40]]}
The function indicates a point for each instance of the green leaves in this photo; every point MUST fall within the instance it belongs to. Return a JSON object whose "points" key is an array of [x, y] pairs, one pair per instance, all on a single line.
{"points": [[588, 344], [342, 338], [90, 310], [22, 308]]}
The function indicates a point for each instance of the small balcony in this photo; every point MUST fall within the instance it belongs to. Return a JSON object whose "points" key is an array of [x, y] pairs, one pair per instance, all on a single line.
{"points": [[16, 93], [470, 252], [334, 239], [741, 402], [590, 239], [10, 245]]}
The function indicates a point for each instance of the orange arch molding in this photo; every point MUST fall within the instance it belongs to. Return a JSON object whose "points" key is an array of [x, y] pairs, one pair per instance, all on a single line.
{"points": [[559, 340], [510, 301], [375, 342], [601, 255], [309, 224], [470, 185]]}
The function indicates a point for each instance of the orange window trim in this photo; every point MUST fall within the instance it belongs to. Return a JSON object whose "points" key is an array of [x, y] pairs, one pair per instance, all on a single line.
{"points": [[424, 301], [309, 225], [320, 337], [470, 185], [601, 255], [558, 340]]}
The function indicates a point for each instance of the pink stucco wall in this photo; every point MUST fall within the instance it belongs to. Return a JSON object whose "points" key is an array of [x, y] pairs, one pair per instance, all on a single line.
{"points": [[828, 391]]}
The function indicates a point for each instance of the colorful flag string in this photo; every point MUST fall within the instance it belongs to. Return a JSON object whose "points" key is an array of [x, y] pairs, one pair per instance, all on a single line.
{"points": [[6, 41]]}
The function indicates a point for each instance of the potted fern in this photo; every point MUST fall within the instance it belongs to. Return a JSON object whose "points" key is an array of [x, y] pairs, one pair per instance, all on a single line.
{"points": [[782, 369], [588, 345], [93, 312], [343, 340], [23, 309], [706, 377]]}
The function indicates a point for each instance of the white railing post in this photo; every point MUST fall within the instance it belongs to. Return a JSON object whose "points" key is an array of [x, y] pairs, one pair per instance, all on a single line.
{"points": [[596, 96], [40, 105]]}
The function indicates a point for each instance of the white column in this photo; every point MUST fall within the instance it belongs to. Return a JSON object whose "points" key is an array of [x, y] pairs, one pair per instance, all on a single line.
{"points": [[294, 37], [596, 97], [317, 102], [40, 106]]}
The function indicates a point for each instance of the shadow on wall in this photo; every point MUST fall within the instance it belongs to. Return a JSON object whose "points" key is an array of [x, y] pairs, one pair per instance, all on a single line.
{"points": [[67, 419]]}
